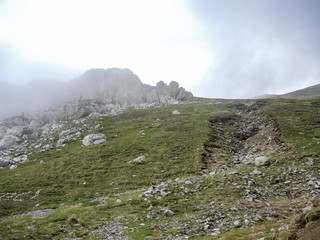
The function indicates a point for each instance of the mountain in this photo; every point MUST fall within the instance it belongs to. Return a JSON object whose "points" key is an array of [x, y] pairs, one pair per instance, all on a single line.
{"points": [[309, 92], [100, 91], [305, 93], [95, 91]]}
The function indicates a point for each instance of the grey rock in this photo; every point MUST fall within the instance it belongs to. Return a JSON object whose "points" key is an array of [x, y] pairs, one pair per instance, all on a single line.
{"points": [[249, 160], [310, 162], [8, 141], [100, 91], [13, 167], [176, 112], [262, 161], [4, 162], [215, 233], [60, 142], [236, 223], [16, 131], [206, 227], [307, 209], [16, 121], [94, 139], [38, 214], [139, 160], [256, 172], [111, 230], [168, 213]]}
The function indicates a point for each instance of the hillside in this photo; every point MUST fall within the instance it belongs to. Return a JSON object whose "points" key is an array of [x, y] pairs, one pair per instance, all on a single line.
{"points": [[305, 93], [309, 92], [205, 170]]}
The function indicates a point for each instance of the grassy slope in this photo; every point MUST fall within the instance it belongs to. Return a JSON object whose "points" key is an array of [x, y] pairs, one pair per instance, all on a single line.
{"points": [[309, 92], [171, 151]]}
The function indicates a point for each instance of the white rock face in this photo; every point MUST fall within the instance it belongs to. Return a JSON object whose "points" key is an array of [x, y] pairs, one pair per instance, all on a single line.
{"points": [[100, 90], [262, 161], [94, 139]]}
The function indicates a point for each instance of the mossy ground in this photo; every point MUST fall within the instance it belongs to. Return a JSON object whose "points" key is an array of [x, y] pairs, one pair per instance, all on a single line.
{"points": [[71, 177]]}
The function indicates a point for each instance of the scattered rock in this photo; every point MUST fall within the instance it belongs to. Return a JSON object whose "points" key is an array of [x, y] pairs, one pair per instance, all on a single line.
{"points": [[13, 166], [111, 230], [94, 139], [262, 161], [139, 160], [236, 223], [256, 172], [168, 213], [41, 213], [4, 162], [176, 112]]}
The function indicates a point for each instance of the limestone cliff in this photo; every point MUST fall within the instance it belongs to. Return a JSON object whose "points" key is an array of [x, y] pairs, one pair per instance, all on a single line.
{"points": [[100, 90]]}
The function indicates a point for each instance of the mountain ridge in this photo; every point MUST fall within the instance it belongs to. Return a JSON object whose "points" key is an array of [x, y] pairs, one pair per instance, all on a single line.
{"points": [[304, 93], [112, 87]]}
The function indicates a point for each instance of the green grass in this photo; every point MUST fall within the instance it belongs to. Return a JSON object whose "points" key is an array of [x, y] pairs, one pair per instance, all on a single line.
{"points": [[173, 149], [299, 124]]}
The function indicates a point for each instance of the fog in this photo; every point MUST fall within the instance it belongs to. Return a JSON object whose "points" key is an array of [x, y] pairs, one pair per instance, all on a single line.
{"points": [[31, 98], [213, 48]]}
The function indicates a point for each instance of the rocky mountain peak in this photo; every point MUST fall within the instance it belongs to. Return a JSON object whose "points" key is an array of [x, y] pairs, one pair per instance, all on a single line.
{"points": [[102, 90]]}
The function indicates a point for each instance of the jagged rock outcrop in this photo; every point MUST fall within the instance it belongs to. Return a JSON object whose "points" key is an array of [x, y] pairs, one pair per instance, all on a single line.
{"points": [[108, 91]]}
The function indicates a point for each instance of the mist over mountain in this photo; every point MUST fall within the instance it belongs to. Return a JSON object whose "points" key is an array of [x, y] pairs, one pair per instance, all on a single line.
{"points": [[96, 90], [30, 98]]}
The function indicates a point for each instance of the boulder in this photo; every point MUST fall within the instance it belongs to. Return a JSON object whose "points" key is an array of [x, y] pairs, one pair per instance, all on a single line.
{"points": [[140, 159], [3, 131], [262, 161], [94, 139], [12, 167], [175, 112], [8, 141], [4, 162], [168, 213]]}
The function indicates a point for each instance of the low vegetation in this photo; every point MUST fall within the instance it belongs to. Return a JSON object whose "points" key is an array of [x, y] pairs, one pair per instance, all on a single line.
{"points": [[96, 190]]}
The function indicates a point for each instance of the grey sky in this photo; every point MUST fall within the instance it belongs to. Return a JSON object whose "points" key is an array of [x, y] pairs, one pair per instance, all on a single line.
{"points": [[260, 46], [229, 48]]}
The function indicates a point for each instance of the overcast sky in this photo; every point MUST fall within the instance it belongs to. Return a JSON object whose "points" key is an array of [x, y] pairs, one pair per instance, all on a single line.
{"points": [[214, 48]]}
